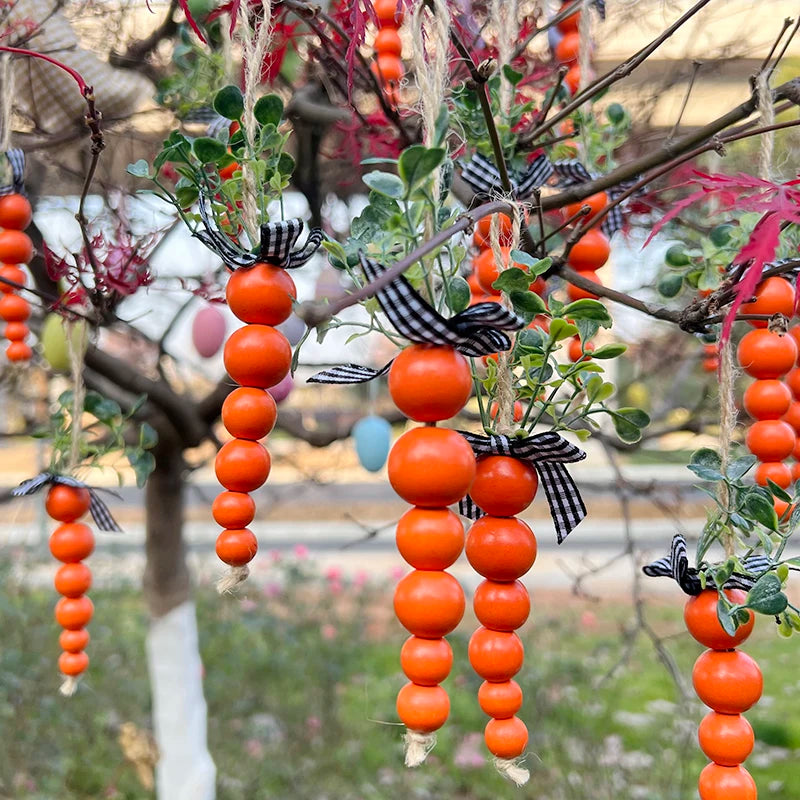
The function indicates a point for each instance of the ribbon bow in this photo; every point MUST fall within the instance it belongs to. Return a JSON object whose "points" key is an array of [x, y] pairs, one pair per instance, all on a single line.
{"points": [[676, 566], [16, 159], [277, 241], [547, 453], [571, 172], [482, 176], [476, 331], [97, 508]]}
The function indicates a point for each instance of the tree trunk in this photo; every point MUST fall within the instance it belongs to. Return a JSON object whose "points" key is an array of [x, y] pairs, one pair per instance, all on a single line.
{"points": [[185, 768]]}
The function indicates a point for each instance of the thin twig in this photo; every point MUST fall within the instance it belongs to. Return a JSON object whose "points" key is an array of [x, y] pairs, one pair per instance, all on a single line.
{"points": [[563, 13], [695, 69], [786, 23]]}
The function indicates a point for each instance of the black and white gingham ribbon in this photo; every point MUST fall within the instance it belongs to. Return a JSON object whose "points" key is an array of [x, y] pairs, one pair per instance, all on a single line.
{"points": [[600, 5], [547, 453], [97, 508], [16, 159], [277, 241], [476, 331], [481, 175], [571, 172], [676, 566]]}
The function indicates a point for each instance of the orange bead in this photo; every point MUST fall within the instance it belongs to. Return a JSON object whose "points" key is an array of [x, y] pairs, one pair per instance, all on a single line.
{"points": [[261, 294], [429, 603], [236, 547], [14, 308], [73, 664], [774, 295], [501, 606], [775, 471], [506, 738], [700, 616], [430, 538], [495, 655], [727, 739], [500, 700], [727, 681], [423, 708], [501, 548], [18, 351], [726, 783], [567, 50], [16, 331], [257, 355], [426, 662], [504, 486]]}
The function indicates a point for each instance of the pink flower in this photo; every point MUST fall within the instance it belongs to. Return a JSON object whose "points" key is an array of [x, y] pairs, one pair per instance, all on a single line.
{"points": [[247, 604], [335, 587], [469, 752], [272, 589], [397, 572], [300, 552], [275, 556], [589, 619], [254, 748], [314, 725], [328, 632], [361, 579], [333, 573]]}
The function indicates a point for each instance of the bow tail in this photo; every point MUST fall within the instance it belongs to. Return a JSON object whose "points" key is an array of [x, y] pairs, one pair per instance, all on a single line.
{"points": [[349, 373], [467, 508], [566, 504], [101, 515]]}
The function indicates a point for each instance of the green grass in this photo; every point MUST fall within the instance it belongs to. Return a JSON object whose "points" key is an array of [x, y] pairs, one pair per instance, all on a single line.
{"points": [[301, 686]]}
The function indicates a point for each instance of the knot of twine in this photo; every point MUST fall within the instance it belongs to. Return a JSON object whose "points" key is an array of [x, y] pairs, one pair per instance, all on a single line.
{"points": [[418, 745], [7, 84], [232, 578], [513, 770], [504, 422], [255, 45], [767, 112]]}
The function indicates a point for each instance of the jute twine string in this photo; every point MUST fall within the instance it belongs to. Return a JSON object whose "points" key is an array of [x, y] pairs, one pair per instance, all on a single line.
{"points": [[585, 49], [7, 84], [767, 112], [504, 20], [727, 426], [430, 42], [513, 770], [418, 745], [254, 49]]}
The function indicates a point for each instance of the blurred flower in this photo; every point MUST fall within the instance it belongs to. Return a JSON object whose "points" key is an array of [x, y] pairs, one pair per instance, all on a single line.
{"points": [[314, 725], [333, 574], [247, 604], [254, 748], [328, 632], [300, 551], [272, 589], [275, 556], [397, 572], [335, 587], [469, 752], [588, 619], [360, 579]]}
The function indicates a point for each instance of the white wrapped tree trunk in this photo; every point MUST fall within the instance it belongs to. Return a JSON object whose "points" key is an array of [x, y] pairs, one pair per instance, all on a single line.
{"points": [[185, 769]]}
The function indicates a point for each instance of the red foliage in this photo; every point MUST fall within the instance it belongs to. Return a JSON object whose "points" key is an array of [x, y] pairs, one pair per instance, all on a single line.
{"points": [[777, 202]]}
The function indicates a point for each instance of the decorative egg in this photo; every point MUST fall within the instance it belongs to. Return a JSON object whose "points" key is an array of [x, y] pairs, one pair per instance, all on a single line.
{"points": [[54, 340], [554, 36], [293, 329], [282, 390], [208, 331], [373, 436]]}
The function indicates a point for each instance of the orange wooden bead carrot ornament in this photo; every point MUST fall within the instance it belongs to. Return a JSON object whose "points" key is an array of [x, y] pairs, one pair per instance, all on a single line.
{"points": [[257, 356]]}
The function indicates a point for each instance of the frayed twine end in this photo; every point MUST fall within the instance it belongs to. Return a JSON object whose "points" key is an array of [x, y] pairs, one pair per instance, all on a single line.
{"points": [[69, 686], [232, 578], [513, 770], [418, 745]]}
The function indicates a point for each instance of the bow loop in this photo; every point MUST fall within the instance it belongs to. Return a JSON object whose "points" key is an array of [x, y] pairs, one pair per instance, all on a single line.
{"points": [[16, 163], [482, 176], [97, 508], [277, 240], [547, 453], [676, 566], [477, 331]]}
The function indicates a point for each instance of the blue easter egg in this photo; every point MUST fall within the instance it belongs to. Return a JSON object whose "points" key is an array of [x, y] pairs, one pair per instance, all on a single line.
{"points": [[372, 436]]}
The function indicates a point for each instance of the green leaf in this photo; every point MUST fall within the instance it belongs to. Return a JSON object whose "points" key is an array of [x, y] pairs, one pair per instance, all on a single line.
{"points": [[587, 308], [598, 390], [229, 102], [634, 415], [521, 257], [105, 410], [726, 619], [457, 294], [148, 437], [386, 184], [187, 196], [527, 302], [285, 164], [739, 468], [778, 491], [512, 279], [626, 430], [670, 284], [142, 463], [767, 596], [609, 351], [416, 164], [442, 126], [208, 150], [512, 76], [338, 256], [761, 509], [706, 464], [560, 329], [141, 169], [268, 110]]}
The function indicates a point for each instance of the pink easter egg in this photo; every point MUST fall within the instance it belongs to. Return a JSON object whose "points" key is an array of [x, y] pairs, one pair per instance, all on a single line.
{"points": [[208, 331], [282, 390]]}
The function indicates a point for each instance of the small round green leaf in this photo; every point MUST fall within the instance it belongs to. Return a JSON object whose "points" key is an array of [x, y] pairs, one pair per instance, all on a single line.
{"points": [[229, 103]]}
